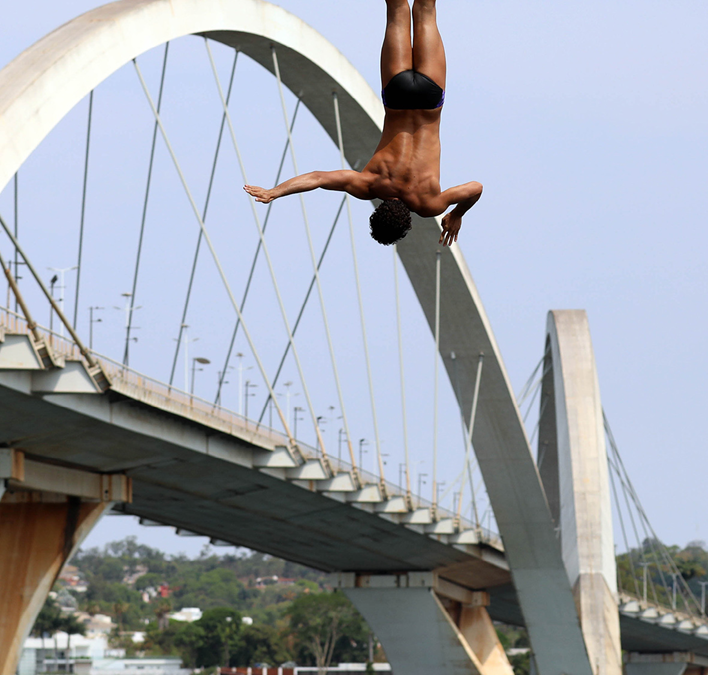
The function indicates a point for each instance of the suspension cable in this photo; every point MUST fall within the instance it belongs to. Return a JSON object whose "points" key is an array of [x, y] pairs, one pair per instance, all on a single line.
{"points": [[435, 385], [303, 306], [470, 430], [340, 142], [131, 300], [197, 248], [253, 264], [624, 534], [83, 208], [212, 250], [659, 551], [62, 317], [276, 68], [409, 497], [266, 253]]}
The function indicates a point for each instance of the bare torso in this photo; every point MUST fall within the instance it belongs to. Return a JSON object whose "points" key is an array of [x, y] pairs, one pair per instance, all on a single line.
{"points": [[406, 163]]}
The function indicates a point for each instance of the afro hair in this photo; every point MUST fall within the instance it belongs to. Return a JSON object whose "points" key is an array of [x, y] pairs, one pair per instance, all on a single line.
{"points": [[390, 222]]}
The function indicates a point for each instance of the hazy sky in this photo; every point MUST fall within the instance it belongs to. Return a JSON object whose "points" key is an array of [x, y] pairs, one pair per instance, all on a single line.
{"points": [[587, 123]]}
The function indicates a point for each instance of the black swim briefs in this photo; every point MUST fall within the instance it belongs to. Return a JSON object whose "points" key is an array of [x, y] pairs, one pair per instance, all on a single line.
{"points": [[410, 90]]}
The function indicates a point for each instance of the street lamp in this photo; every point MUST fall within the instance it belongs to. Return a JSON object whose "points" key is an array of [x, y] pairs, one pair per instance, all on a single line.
{"points": [[129, 309], [362, 443], [62, 271], [52, 282], [296, 416], [342, 432], [239, 356], [195, 361], [247, 394], [644, 592], [703, 596], [421, 482], [93, 321]]}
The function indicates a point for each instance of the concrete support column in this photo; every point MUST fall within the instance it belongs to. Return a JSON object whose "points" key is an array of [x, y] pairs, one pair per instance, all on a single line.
{"points": [[46, 512], [427, 625], [38, 534], [572, 462]]}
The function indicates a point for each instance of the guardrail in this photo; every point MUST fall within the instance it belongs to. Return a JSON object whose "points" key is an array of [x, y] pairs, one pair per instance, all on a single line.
{"points": [[149, 390]]}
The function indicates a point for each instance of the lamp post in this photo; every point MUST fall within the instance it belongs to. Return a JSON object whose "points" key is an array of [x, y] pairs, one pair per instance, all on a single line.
{"points": [[342, 432], [362, 443], [296, 416], [703, 597], [195, 361], [421, 482], [52, 283], [439, 485], [227, 635], [62, 271], [248, 394], [131, 308], [644, 574], [320, 421], [93, 321], [239, 356], [673, 595]]}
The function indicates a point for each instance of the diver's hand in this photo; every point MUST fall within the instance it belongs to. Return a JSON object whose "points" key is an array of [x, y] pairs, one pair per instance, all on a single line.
{"points": [[261, 194], [451, 224]]}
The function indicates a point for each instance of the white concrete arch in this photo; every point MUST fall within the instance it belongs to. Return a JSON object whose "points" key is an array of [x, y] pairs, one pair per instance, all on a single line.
{"points": [[572, 461], [50, 78]]}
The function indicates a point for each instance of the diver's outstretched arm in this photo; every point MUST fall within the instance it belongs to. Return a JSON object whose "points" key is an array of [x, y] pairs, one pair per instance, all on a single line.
{"points": [[342, 181]]}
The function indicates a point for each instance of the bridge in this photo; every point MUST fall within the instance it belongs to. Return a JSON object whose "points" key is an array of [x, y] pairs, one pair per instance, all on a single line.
{"points": [[82, 434]]}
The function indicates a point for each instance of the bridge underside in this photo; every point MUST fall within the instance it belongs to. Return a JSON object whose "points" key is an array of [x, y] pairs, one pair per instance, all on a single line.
{"points": [[203, 481]]}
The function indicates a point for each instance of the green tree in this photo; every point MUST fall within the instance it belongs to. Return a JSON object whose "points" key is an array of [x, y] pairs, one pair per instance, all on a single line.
{"points": [[318, 621], [189, 639], [71, 626], [221, 626], [259, 644]]}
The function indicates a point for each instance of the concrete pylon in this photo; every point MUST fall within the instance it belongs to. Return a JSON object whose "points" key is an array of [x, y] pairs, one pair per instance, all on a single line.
{"points": [[572, 462], [427, 625], [45, 513]]}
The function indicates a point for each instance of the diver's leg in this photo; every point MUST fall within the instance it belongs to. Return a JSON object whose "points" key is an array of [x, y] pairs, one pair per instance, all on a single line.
{"points": [[396, 53], [428, 50]]}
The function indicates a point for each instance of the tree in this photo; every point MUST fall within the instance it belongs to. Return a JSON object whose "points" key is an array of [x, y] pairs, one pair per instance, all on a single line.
{"points": [[259, 644], [120, 609], [319, 620], [47, 622], [71, 626], [220, 626], [189, 638], [162, 611]]}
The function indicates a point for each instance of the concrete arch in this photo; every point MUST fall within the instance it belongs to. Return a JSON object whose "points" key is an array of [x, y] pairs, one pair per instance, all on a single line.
{"points": [[47, 80], [572, 461]]}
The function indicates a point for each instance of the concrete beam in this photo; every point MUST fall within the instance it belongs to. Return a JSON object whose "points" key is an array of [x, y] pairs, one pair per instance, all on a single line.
{"points": [[28, 474]]}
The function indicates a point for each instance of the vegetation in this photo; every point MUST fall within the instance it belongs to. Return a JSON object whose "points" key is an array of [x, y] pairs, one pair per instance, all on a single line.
{"points": [[692, 563], [140, 587], [291, 612]]}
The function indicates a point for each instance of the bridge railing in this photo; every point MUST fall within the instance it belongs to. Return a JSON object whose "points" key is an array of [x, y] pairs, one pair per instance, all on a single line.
{"points": [[141, 387]]}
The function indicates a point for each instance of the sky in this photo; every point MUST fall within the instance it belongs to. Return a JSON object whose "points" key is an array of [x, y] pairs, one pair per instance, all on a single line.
{"points": [[587, 125]]}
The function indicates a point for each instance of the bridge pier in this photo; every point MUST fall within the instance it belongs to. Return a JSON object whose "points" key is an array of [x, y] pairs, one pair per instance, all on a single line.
{"points": [[572, 462], [428, 625], [46, 512]]}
